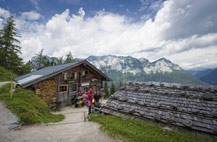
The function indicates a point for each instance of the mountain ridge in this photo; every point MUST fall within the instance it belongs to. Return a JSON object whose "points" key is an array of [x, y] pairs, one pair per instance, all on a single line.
{"points": [[123, 68], [129, 68], [208, 75]]}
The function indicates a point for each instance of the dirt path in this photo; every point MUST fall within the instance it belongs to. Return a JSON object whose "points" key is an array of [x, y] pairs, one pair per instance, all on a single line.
{"points": [[72, 129], [3, 83], [5, 117]]}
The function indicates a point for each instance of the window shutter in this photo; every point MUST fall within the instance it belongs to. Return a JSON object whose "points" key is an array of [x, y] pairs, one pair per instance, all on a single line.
{"points": [[65, 76], [83, 73], [75, 75]]}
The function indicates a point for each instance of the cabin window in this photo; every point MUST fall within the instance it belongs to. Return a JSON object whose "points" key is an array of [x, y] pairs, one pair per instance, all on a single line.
{"points": [[74, 87], [72, 75], [63, 88], [85, 73]]}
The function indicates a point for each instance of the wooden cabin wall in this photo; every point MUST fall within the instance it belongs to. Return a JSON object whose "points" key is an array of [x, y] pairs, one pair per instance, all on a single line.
{"points": [[62, 88], [71, 83], [91, 77]]}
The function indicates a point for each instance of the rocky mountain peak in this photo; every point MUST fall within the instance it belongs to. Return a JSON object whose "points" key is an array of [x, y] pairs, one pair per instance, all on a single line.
{"points": [[133, 65], [143, 60]]}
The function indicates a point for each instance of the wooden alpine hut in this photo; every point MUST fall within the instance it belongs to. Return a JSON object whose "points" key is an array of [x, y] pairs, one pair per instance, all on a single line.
{"points": [[59, 84]]}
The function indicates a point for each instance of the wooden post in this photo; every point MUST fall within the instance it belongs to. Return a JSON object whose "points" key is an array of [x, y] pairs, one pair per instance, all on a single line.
{"points": [[79, 78], [11, 87]]}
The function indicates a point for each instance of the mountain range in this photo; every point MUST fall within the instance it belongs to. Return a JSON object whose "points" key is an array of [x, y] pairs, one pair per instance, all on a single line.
{"points": [[208, 75], [121, 68]]}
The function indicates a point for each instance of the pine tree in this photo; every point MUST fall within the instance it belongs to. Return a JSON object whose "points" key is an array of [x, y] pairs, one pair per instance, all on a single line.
{"points": [[106, 89], [1, 48], [112, 89], [26, 68], [39, 59], [60, 61], [69, 58], [54, 61], [45, 61], [9, 49]]}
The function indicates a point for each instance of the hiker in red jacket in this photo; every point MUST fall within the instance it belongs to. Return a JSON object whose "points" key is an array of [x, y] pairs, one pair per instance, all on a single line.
{"points": [[90, 99]]}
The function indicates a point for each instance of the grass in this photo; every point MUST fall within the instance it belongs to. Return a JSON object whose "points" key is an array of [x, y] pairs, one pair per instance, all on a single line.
{"points": [[29, 108], [137, 131], [6, 75]]}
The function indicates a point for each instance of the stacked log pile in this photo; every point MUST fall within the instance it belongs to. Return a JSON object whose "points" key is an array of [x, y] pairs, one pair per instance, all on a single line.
{"points": [[191, 107], [47, 91]]}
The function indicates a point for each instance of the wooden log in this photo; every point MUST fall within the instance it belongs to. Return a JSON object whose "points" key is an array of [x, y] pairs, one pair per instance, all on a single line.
{"points": [[47, 91]]}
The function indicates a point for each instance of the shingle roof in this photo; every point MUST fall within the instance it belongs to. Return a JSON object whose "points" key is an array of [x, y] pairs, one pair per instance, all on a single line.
{"points": [[42, 74], [193, 107]]}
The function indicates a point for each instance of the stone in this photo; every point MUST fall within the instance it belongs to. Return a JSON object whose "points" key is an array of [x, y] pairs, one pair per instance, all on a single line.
{"points": [[187, 122], [207, 96], [141, 102], [13, 121], [124, 99], [131, 110], [14, 126], [214, 128], [167, 128], [214, 114]]}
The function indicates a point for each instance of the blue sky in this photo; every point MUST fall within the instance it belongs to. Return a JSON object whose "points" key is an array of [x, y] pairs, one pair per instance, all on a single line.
{"points": [[131, 8], [183, 31]]}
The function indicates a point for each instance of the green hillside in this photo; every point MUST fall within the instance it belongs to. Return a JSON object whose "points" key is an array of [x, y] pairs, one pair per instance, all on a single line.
{"points": [[6, 75], [27, 106], [211, 77], [173, 77]]}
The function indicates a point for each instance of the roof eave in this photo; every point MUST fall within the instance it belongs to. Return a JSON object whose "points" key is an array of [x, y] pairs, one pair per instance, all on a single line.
{"points": [[50, 75]]}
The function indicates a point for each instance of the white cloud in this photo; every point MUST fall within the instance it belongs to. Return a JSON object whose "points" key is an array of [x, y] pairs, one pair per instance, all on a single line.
{"points": [[150, 5], [31, 15], [182, 31], [156, 5], [35, 3], [202, 58], [1, 23], [4, 13], [144, 5], [187, 18]]}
